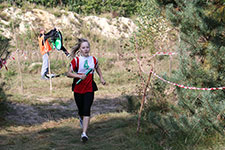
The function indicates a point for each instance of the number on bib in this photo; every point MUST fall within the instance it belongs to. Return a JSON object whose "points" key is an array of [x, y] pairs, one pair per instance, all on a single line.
{"points": [[86, 64]]}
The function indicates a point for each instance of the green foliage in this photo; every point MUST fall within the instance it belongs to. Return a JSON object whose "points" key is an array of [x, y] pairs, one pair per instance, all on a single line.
{"points": [[2, 94], [123, 8], [178, 128], [202, 47], [106, 63], [3, 99], [4, 45], [151, 25], [10, 74], [133, 103], [3, 106], [56, 64]]}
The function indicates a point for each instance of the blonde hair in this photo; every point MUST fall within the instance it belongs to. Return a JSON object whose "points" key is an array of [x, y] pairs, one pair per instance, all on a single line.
{"points": [[77, 46]]}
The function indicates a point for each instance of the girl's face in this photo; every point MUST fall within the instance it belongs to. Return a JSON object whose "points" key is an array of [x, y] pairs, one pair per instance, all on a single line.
{"points": [[42, 31], [85, 49]]}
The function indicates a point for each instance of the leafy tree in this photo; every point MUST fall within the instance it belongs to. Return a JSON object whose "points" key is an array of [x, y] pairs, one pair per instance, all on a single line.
{"points": [[149, 24]]}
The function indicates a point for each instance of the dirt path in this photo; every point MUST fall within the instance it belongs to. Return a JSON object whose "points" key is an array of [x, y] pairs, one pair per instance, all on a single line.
{"points": [[56, 109]]}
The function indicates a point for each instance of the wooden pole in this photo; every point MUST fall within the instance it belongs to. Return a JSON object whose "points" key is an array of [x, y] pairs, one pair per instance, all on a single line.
{"points": [[50, 75], [143, 81], [143, 100]]}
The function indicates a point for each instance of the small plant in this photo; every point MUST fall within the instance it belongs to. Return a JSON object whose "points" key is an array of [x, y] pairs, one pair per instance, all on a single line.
{"points": [[4, 16], [8, 75], [57, 13], [133, 103]]}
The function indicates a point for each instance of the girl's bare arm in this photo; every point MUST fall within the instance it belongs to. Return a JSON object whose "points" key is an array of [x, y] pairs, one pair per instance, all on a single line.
{"points": [[98, 70]]}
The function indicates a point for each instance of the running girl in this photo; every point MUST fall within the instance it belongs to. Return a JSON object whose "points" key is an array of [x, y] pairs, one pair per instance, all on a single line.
{"points": [[84, 90]]}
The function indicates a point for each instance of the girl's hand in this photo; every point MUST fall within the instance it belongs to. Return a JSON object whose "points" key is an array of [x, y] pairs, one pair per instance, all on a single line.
{"points": [[82, 76], [103, 81]]}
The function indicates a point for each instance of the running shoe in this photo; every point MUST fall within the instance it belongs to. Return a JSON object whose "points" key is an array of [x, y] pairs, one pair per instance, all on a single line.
{"points": [[84, 137]]}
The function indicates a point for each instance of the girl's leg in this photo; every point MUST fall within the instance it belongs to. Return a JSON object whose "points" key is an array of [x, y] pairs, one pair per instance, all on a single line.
{"points": [[86, 121], [88, 100], [79, 101]]}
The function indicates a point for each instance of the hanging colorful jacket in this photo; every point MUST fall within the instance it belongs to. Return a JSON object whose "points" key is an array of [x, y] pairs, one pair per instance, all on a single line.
{"points": [[44, 46]]}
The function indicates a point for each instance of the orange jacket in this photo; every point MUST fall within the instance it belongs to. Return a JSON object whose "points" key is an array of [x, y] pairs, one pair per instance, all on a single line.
{"points": [[44, 48]]}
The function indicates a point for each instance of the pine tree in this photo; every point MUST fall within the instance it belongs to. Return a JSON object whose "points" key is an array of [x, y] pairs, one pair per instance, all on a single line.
{"points": [[201, 26], [201, 47]]}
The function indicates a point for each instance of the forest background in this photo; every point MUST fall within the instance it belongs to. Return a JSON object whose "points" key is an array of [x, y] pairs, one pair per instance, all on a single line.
{"points": [[172, 117]]}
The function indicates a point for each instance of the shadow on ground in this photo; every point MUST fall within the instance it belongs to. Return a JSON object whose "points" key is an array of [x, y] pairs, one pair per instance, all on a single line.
{"points": [[25, 114]]}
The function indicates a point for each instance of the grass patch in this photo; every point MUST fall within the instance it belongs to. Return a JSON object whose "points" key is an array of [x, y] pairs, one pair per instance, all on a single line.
{"points": [[108, 131]]}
